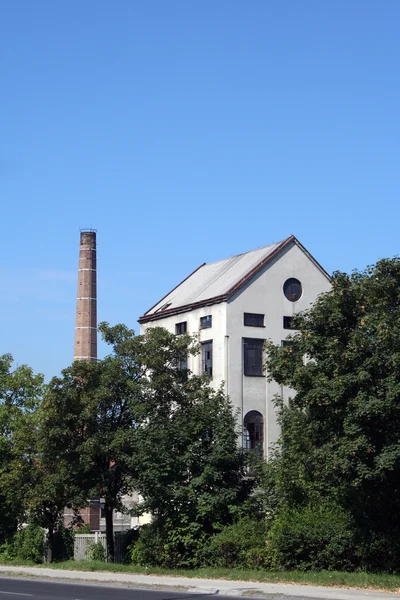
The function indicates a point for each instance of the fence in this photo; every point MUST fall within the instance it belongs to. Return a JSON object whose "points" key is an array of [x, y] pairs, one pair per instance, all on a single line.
{"points": [[84, 541]]}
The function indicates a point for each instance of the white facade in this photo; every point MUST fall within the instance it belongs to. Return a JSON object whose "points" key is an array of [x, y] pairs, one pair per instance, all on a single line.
{"points": [[256, 288]]}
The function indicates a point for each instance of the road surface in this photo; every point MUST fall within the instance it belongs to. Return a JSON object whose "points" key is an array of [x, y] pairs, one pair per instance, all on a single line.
{"points": [[29, 589]]}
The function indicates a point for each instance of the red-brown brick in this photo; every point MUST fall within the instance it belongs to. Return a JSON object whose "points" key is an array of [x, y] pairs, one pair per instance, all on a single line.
{"points": [[86, 304]]}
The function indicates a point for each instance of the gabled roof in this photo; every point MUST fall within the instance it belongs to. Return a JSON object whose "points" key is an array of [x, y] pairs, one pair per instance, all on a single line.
{"points": [[215, 282]]}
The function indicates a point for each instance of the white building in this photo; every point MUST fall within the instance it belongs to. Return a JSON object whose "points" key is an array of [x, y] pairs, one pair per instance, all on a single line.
{"points": [[234, 305]]}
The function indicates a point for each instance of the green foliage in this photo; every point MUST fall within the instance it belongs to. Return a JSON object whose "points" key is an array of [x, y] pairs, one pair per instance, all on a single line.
{"points": [[28, 544], [20, 395], [63, 544], [96, 551], [318, 536], [149, 548], [190, 473], [83, 528], [341, 430], [241, 544]]}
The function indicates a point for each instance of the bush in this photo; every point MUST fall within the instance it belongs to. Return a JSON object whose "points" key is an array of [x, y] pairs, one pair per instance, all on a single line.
{"points": [[238, 545], [63, 541], [96, 551], [318, 536], [260, 558], [149, 549], [28, 544], [168, 546], [125, 540]]}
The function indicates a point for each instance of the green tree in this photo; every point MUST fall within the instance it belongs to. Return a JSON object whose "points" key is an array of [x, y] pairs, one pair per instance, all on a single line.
{"points": [[341, 429], [93, 412], [191, 470], [20, 395], [134, 421]]}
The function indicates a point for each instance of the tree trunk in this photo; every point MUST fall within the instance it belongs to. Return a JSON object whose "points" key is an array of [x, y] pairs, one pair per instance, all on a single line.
{"points": [[108, 513], [50, 544]]}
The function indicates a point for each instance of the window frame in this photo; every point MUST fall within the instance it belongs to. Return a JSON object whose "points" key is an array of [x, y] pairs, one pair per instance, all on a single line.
{"points": [[253, 436], [178, 327], [207, 370], [287, 322], [204, 324], [253, 370], [249, 316], [286, 286]]}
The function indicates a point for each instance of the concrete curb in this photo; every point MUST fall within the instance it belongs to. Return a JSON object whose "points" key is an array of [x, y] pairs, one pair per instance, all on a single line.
{"points": [[216, 587]]}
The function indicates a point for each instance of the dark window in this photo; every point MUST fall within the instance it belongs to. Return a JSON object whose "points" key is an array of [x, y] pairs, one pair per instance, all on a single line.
{"points": [[206, 358], [180, 328], [253, 432], [288, 323], [183, 367], [205, 322], [253, 357], [292, 289], [253, 320]]}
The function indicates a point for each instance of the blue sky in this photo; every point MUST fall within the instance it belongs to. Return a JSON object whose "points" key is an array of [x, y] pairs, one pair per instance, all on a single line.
{"points": [[186, 132]]}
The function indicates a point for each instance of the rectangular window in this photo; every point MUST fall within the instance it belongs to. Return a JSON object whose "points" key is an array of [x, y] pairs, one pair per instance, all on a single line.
{"points": [[288, 323], [207, 358], [253, 354], [205, 322], [253, 320], [183, 367], [180, 328]]}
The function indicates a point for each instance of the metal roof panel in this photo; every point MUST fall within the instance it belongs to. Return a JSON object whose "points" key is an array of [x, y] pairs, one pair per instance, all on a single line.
{"points": [[212, 280]]}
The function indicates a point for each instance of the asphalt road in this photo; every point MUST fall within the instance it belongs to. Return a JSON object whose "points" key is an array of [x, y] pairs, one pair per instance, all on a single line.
{"points": [[29, 589]]}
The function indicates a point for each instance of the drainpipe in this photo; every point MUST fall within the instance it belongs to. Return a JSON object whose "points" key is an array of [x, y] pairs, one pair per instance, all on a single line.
{"points": [[242, 373], [226, 364]]}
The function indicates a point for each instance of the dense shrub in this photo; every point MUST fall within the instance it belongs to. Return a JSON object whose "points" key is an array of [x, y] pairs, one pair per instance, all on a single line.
{"points": [[239, 545], [162, 544], [317, 536], [27, 544], [148, 550], [63, 544], [125, 541], [96, 551]]}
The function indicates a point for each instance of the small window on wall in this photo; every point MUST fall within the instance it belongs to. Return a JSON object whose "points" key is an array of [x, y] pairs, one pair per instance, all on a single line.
{"points": [[207, 358], [180, 328], [288, 323], [253, 353], [206, 322], [183, 367], [253, 320], [292, 289], [253, 432]]}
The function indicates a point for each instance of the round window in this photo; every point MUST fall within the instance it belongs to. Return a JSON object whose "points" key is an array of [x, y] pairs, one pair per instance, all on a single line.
{"points": [[292, 289]]}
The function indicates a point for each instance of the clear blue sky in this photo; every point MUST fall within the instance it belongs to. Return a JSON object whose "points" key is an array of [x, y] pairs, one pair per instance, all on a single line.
{"points": [[186, 131]]}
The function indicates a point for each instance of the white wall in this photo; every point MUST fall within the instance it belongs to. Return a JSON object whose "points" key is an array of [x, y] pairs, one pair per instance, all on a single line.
{"points": [[265, 295], [216, 333]]}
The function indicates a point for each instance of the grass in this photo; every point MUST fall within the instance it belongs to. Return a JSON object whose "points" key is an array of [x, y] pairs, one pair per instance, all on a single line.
{"points": [[371, 581]]}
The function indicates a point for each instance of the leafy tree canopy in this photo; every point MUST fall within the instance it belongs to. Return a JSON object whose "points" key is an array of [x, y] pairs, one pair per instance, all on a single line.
{"points": [[341, 429]]}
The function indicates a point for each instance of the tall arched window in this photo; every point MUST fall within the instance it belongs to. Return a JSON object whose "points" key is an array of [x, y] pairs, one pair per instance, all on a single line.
{"points": [[253, 432]]}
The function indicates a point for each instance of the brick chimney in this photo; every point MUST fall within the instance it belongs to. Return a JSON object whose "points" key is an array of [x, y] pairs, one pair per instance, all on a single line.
{"points": [[86, 304], [86, 339]]}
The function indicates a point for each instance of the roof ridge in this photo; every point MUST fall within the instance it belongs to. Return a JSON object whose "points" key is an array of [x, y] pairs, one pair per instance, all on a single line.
{"points": [[243, 253]]}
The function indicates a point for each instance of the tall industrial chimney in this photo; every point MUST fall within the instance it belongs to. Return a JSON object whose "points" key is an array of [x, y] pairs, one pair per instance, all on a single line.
{"points": [[86, 304]]}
